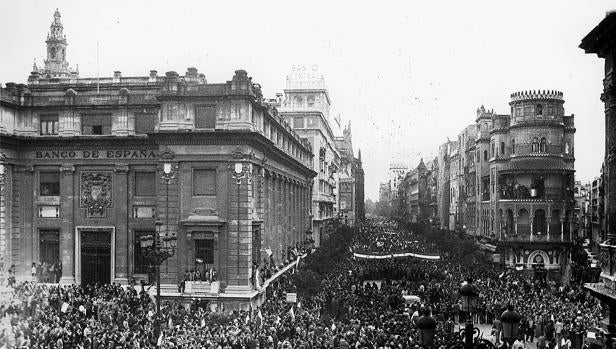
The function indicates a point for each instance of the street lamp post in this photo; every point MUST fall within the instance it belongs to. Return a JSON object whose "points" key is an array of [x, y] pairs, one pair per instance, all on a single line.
{"points": [[469, 295], [240, 171], [159, 248]]}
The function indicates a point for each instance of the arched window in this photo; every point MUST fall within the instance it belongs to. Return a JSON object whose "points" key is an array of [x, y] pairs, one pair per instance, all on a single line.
{"points": [[310, 101], [298, 100], [567, 148], [53, 52], [513, 146], [539, 222], [535, 145], [492, 147], [539, 109], [502, 148], [485, 155], [543, 145]]}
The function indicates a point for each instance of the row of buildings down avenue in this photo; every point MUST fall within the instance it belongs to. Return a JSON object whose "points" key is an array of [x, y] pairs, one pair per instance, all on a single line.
{"points": [[90, 165], [508, 180]]}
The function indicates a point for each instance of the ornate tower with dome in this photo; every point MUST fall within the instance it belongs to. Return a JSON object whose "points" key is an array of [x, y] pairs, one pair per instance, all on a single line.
{"points": [[56, 66]]}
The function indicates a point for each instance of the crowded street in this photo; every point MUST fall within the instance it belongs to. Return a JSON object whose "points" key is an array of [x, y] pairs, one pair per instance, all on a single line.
{"points": [[360, 303], [307, 175]]}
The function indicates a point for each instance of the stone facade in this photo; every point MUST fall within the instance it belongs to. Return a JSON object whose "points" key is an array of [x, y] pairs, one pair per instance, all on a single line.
{"points": [[597, 214], [417, 193], [508, 179], [306, 106], [82, 175], [443, 185], [350, 186], [601, 41], [531, 181]]}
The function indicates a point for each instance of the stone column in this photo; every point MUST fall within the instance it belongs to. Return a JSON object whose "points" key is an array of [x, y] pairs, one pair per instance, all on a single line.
{"points": [[609, 99], [277, 214], [285, 213], [515, 223], [295, 201], [5, 213], [268, 212], [548, 219], [120, 191], [67, 231], [532, 225]]}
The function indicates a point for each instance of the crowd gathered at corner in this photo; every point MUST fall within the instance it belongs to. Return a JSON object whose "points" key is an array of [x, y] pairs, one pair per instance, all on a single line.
{"points": [[357, 304]]}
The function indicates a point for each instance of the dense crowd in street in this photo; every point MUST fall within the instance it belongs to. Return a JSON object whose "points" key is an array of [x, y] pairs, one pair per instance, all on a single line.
{"points": [[349, 310], [383, 237]]}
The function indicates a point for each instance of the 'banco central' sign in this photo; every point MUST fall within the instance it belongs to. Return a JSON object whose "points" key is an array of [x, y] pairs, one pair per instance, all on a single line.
{"points": [[302, 72]]}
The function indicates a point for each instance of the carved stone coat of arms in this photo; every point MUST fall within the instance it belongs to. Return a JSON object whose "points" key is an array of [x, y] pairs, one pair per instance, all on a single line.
{"points": [[96, 189]]}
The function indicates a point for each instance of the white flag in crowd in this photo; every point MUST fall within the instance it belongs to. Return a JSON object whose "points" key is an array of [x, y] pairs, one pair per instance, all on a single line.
{"points": [[64, 307]]}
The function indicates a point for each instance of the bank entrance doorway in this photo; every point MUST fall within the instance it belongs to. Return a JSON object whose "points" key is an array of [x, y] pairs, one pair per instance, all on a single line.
{"points": [[95, 257]]}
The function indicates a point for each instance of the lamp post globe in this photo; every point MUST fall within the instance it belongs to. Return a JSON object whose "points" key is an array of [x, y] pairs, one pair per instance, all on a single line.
{"points": [[510, 320], [469, 294], [426, 325]]}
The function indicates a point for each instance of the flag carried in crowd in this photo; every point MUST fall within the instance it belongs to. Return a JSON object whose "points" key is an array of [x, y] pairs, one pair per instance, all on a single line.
{"points": [[260, 316]]}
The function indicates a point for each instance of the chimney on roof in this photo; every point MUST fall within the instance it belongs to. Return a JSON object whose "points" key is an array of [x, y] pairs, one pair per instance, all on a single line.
{"points": [[153, 75], [117, 76]]}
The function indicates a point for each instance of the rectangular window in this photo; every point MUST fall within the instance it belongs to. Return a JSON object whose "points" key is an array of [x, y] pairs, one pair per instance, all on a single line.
{"points": [[204, 182], [49, 184], [144, 123], [140, 261], [49, 125], [298, 122], [204, 251], [96, 124], [49, 244], [205, 116], [145, 183]]}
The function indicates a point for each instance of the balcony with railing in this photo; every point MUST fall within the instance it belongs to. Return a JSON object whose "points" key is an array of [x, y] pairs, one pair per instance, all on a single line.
{"points": [[523, 193], [537, 150], [525, 236]]}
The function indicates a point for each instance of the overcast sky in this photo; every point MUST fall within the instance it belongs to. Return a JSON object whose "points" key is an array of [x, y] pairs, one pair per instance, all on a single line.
{"points": [[407, 75]]}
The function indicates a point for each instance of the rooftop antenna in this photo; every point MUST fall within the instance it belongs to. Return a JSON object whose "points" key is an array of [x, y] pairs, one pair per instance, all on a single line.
{"points": [[97, 75]]}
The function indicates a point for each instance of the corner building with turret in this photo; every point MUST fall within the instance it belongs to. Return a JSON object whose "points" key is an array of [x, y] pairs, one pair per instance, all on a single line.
{"points": [[525, 172], [88, 166]]}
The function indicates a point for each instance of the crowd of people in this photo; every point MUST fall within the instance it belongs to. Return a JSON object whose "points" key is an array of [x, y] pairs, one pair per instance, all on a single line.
{"points": [[360, 304], [384, 237]]}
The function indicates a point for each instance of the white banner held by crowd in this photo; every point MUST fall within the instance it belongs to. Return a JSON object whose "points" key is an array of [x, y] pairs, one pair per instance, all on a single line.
{"points": [[395, 255]]}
